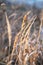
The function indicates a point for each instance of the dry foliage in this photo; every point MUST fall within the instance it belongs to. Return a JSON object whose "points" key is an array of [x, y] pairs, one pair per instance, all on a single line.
{"points": [[27, 47]]}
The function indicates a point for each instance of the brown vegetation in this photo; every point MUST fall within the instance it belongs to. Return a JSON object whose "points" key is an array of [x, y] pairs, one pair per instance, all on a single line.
{"points": [[27, 48]]}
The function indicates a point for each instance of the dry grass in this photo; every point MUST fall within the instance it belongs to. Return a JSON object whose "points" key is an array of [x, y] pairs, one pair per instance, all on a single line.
{"points": [[26, 48], [24, 52], [9, 31]]}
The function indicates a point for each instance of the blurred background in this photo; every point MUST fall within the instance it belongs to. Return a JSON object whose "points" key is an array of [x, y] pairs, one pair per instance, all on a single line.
{"points": [[37, 3]]}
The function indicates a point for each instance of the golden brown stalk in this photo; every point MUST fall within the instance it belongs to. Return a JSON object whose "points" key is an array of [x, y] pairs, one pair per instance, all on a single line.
{"points": [[9, 30], [28, 30], [19, 34]]}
